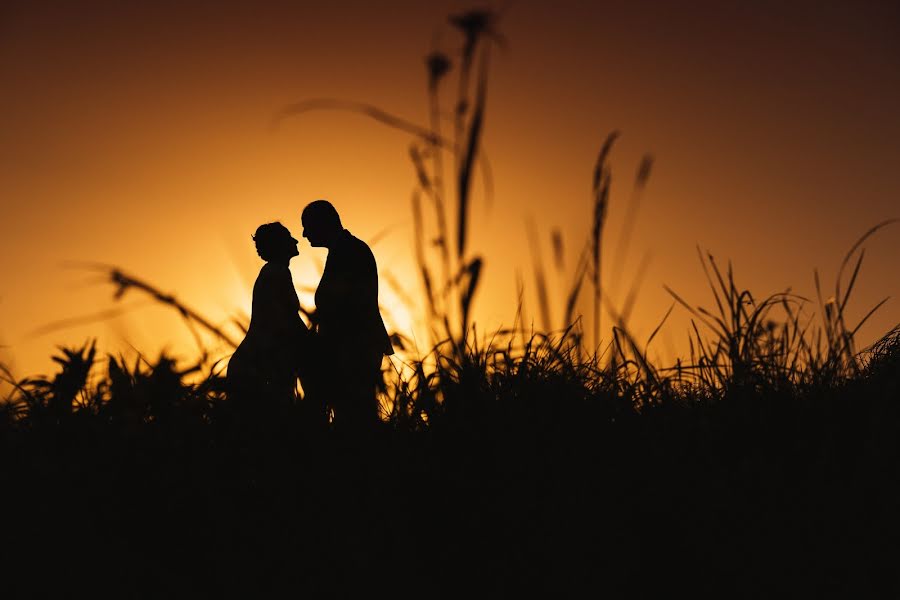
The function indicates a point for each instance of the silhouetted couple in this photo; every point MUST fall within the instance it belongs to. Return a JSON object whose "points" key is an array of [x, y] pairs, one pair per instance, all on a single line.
{"points": [[339, 360]]}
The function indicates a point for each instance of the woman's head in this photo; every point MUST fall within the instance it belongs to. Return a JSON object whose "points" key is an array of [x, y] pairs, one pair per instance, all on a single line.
{"points": [[275, 242]]}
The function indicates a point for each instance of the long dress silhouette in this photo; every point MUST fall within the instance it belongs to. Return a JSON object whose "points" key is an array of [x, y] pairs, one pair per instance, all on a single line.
{"points": [[265, 365]]}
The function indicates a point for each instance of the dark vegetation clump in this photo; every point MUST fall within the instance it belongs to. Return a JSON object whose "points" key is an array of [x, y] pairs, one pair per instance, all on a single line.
{"points": [[764, 464]]}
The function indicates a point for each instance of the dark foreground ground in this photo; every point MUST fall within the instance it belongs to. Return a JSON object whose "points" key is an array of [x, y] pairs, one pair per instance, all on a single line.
{"points": [[538, 491]]}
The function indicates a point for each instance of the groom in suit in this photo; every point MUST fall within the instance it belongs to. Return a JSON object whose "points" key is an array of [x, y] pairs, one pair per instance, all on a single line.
{"points": [[351, 333]]}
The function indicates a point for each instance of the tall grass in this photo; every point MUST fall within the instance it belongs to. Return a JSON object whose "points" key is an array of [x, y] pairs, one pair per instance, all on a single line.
{"points": [[743, 341]]}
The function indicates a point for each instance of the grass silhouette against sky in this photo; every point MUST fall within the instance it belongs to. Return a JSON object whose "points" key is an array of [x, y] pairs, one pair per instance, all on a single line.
{"points": [[773, 133]]}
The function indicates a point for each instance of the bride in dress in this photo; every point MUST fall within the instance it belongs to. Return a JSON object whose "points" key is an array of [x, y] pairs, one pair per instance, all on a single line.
{"points": [[265, 365]]}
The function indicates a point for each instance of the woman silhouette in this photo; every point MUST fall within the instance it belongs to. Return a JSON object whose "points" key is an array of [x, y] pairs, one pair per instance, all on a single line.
{"points": [[264, 367]]}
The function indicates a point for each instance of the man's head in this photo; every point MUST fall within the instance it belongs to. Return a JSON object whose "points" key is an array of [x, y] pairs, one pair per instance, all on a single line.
{"points": [[321, 223]]}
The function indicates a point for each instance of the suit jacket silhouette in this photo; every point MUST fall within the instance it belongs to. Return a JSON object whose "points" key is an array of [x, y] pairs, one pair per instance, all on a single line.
{"points": [[347, 299]]}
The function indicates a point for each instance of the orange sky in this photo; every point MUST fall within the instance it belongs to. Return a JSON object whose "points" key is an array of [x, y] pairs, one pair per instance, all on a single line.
{"points": [[137, 135]]}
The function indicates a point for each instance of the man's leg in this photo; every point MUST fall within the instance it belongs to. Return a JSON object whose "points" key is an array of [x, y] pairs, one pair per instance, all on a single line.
{"points": [[358, 402]]}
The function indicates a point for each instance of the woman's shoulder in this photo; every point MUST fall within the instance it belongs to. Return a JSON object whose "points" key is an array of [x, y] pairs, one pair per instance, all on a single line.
{"points": [[273, 275], [274, 270]]}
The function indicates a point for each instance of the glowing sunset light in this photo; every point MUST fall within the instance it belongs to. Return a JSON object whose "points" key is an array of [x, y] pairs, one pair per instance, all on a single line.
{"points": [[146, 142]]}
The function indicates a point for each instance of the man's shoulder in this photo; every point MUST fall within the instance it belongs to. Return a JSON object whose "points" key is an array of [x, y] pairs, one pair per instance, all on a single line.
{"points": [[356, 248], [354, 241]]}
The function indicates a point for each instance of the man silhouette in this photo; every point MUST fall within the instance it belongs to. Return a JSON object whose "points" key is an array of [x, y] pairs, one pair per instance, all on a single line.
{"points": [[352, 337]]}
